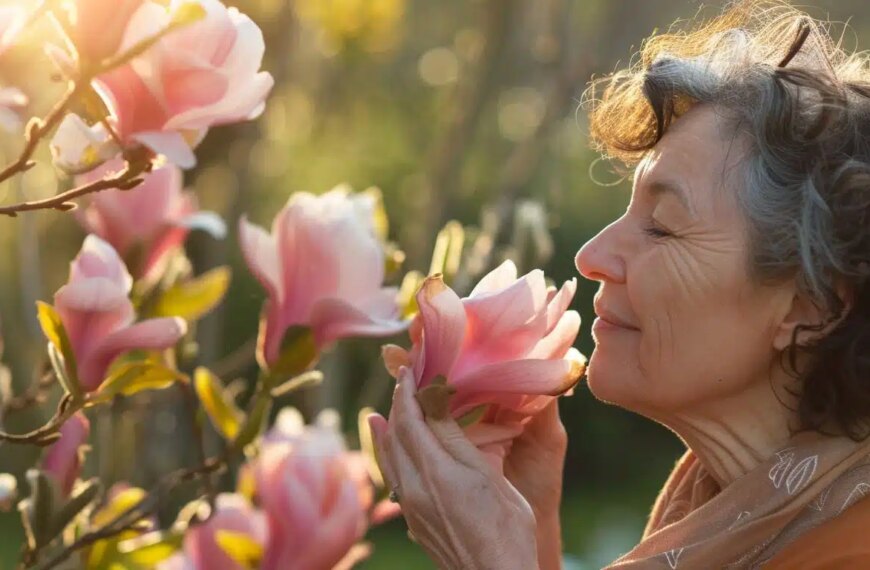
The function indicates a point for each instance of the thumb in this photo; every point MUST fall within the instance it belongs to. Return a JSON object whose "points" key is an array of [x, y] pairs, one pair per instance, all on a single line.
{"points": [[456, 443]]}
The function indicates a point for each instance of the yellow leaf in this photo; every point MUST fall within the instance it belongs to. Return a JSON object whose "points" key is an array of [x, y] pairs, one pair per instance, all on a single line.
{"points": [[243, 549], [379, 216], [150, 549], [193, 299], [133, 377], [54, 331], [407, 298], [447, 255], [223, 412], [119, 503]]}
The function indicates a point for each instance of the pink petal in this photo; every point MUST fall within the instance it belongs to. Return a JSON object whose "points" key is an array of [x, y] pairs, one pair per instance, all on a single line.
{"points": [[527, 376], [559, 339], [153, 334], [133, 105], [62, 460], [98, 259], [505, 324], [170, 144], [559, 303], [394, 358], [499, 278], [232, 513], [332, 319], [444, 324], [261, 255]]}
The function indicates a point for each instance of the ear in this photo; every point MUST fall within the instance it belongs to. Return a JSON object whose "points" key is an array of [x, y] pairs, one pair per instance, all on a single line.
{"points": [[812, 319]]}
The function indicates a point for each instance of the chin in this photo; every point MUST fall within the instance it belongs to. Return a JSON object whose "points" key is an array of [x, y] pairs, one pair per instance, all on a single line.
{"points": [[607, 379]]}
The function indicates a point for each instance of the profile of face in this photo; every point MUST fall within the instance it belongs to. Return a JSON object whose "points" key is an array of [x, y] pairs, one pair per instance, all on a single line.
{"points": [[681, 322]]}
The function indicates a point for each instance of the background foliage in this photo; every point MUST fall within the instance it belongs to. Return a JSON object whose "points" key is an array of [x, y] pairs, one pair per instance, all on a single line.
{"points": [[456, 109]]}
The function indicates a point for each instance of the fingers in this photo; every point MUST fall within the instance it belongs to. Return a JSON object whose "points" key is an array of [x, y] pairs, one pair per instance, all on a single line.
{"points": [[454, 441], [378, 426], [407, 423]]}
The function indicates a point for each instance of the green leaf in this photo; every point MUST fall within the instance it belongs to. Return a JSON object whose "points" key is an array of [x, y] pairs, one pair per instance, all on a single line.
{"points": [[194, 298], [255, 422], [305, 380], [298, 354], [243, 549], [38, 510], [133, 377], [225, 416], [54, 331], [84, 496], [472, 416]]}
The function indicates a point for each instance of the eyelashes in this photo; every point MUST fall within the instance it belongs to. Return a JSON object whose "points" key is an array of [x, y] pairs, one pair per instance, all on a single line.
{"points": [[656, 231]]}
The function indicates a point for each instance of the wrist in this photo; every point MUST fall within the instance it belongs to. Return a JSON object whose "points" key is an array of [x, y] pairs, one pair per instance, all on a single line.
{"points": [[548, 536]]}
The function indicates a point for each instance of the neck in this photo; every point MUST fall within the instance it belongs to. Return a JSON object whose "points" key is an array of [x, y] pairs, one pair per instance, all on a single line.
{"points": [[733, 435]]}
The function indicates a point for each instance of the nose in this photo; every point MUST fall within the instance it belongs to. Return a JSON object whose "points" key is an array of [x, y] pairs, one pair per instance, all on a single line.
{"points": [[600, 258]]}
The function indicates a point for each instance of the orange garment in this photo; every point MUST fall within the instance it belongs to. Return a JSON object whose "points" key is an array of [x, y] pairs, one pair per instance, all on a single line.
{"points": [[841, 543]]}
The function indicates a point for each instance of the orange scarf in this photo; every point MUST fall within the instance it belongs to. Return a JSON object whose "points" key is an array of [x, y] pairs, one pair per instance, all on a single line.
{"points": [[695, 524]]}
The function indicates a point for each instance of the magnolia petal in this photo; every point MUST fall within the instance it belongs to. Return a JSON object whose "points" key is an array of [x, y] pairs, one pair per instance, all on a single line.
{"points": [[261, 255], [528, 376], [559, 339], [559, 303], [209, 222], [443, 318], [77, 147], [332, 319], [62, 459], [153, 334], [170, 144], [505, 324], [394, 358], [497, 279], [98, 259]]}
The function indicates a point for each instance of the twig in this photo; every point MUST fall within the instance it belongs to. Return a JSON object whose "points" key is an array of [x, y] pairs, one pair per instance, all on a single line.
{"points": [[192, 402], [125, 180], [48, 433]]}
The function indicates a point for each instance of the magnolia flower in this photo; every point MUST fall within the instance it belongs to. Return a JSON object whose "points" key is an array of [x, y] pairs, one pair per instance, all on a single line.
{"points": [[63, 459], [506, 349], [322, 267], [97, 27], [98, 315], [203, 74], [78, 147], [310, 487], [201, 549], [151, 219]]}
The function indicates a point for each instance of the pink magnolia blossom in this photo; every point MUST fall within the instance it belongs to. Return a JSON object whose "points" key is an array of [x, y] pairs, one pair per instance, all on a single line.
{"points": [[99, 317], [201, 550], [310, 487], [12, 19], [63, 459], [322, 267], [507, 346], [153, 218], [97, 26], [204, 74]]}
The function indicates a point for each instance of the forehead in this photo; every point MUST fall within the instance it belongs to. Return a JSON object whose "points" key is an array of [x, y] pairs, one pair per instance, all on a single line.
{"points": [[701, 153]]}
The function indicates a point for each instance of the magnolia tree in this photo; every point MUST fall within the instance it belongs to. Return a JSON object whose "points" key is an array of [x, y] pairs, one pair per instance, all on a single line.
{"points": [[148, 79]]}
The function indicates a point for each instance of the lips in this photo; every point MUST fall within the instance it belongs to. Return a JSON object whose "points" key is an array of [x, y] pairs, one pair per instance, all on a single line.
{"points": [[611, 318]]}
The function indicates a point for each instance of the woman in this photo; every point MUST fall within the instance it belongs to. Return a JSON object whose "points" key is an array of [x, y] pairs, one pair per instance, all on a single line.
{"points": [[734, 308]]}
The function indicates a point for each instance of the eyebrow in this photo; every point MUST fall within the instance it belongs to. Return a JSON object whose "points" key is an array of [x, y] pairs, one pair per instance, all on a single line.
{"points": [[660, 187]]}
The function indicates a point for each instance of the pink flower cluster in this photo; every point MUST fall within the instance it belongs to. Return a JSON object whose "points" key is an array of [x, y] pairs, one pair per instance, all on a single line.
{"points": [[203, 70], [312, 498]]}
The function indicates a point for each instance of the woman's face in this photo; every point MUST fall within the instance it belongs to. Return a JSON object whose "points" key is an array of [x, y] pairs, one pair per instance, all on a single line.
{"points": [[680, 321]]}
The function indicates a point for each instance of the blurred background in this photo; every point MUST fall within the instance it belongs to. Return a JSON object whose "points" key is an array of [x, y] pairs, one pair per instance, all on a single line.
{"points": [[461, 110]]}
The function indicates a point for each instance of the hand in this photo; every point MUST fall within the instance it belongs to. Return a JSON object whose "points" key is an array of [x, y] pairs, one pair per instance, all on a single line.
{"points": [[542, 443], [460, 509]]}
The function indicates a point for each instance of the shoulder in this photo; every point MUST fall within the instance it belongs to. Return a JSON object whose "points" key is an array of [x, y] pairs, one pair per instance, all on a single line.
{"points": [[841, 542]]}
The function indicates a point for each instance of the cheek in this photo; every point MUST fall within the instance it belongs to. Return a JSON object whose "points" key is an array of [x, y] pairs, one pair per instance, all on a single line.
{"points": [[704, 333]]}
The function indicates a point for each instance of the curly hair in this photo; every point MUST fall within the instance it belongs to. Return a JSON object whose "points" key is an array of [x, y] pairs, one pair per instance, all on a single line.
{"points": [[803, 102]]}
